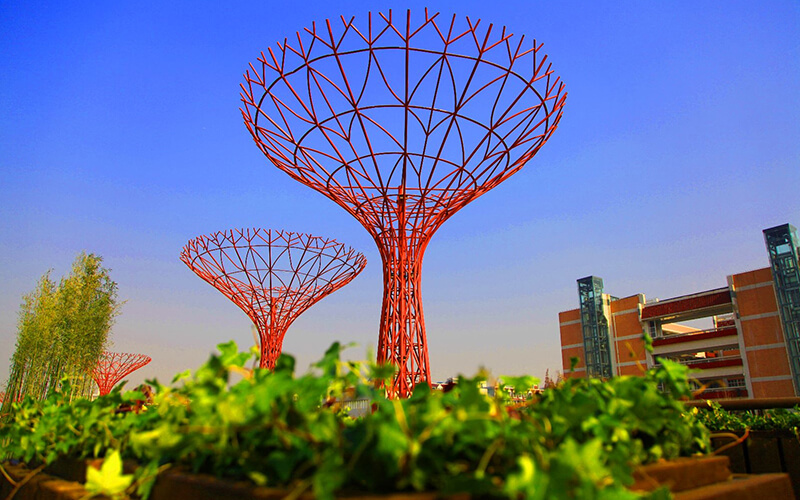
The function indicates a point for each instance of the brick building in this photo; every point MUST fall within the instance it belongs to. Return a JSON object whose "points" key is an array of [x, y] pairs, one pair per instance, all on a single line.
{"points": [[752, 348]]}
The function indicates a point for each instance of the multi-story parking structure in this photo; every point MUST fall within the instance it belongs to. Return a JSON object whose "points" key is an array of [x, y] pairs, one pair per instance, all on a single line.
{"points": [[751, 350]]}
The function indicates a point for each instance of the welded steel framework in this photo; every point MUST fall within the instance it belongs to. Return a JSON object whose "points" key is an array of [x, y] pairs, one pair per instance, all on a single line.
{"points": [[402, 121], [273, 276], [4, 395], [114, 366]]}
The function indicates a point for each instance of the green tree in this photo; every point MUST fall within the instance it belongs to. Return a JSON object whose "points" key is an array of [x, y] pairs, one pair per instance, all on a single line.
{"points": [[36, 316], [63, 330]]}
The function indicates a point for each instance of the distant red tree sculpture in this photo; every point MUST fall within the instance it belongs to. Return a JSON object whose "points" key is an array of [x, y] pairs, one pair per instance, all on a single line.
{"points": [[4, 394], [273, 276], [114, 366], [402, 124]]}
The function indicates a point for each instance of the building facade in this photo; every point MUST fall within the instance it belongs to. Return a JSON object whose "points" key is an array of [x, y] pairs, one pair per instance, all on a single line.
{"points": [[751, 349]]}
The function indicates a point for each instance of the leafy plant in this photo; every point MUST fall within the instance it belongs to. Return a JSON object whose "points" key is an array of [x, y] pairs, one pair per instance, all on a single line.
{"points": [[578, 440], [717, 418]]}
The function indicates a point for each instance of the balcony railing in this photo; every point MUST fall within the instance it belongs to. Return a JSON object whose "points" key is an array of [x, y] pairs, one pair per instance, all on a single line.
{"points": [[722, 393], [748, 404], [707, 363], [711, 333]]}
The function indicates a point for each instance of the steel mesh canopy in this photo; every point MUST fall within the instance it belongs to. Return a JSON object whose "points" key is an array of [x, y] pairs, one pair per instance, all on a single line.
{"points": [[114, 366], [273, 276], [402, 122]]}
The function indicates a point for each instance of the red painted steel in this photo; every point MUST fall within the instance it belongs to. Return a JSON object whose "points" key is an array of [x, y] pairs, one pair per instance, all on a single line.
{"points": [[402, 123], [114, 366], [273, 276], [3, 397]]}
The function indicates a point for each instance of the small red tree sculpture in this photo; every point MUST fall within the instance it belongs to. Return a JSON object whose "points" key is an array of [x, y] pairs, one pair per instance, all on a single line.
{"points": [[3, 395], [402, 124], [273, 276], [114, 366]]}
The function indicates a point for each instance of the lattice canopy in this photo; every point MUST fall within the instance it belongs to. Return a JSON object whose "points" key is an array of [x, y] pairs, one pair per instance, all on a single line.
{"points": [[273, 276], [402, 121], [114, 366]]}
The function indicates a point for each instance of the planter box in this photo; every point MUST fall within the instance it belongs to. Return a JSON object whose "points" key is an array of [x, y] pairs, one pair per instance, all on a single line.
{"points": [[765, 452], [706, 478], [681, 474], [42, 486], [180, 485], [743, 487]]}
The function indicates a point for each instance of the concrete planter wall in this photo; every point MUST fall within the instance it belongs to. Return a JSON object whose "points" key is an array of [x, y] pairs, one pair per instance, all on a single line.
{"points": [[706, 478], [765, 452]]}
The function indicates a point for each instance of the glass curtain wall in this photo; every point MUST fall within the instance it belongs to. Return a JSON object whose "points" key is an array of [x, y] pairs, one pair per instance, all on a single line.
{"points": [[595, 328], [783, 256]]}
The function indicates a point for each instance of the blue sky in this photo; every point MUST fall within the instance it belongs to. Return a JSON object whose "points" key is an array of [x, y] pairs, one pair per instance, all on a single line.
{"points": [[120, 135]]}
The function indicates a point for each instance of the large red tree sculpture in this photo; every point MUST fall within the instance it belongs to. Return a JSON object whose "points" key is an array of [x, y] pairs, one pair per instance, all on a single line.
{"points": [[114, 366], [273, 276], [402, 123]]}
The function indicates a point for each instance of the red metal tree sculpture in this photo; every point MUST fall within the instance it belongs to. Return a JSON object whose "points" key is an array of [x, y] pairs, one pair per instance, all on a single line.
{"points": [[3, 395], [114, 366], [273, 276], [402, 124]]}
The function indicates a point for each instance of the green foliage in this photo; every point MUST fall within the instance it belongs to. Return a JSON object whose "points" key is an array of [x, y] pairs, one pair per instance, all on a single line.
{"points": [[579, 440], [518, 386], [62, 330], [633, 420], [718, 419]]}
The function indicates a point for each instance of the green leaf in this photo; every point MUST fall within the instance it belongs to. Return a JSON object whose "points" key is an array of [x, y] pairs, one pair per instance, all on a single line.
{"points": [[109, 480], [648, 342], [285, 363], [258, 478], [181, 376]]}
